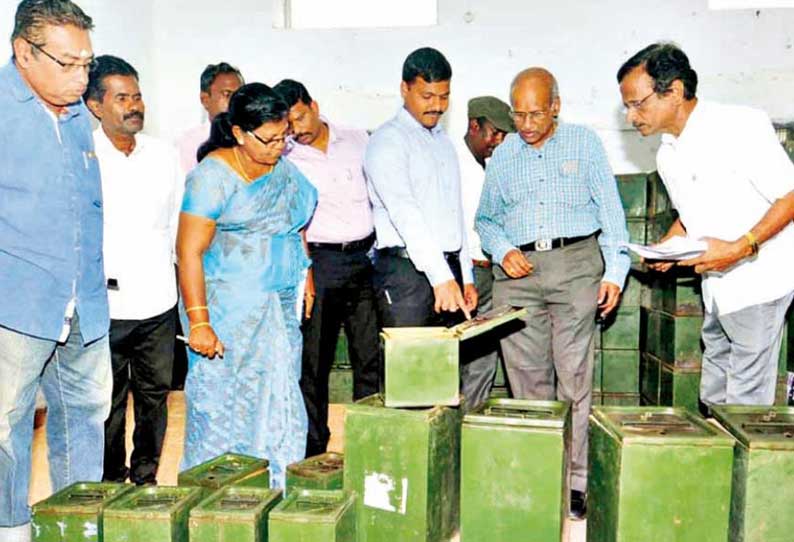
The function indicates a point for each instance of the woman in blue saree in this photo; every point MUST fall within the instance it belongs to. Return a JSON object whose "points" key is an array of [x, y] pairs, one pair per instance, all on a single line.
{"points": [[241, 259]]}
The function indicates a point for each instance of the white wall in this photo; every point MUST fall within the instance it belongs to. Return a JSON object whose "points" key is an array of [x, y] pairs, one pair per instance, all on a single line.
{"points": [[741, 56]]}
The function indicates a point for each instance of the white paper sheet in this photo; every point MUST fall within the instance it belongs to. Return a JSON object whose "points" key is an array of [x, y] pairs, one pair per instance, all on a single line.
{"points": [[675, 248]]}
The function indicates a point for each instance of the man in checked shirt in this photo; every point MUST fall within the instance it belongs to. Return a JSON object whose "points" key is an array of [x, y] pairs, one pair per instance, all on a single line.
{"points": [[548, 191]]}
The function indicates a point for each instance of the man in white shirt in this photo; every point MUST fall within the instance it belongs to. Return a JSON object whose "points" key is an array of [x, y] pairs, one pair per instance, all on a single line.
{"points": [[218, 83], [732, 185], [142, 188], [489, 122]]}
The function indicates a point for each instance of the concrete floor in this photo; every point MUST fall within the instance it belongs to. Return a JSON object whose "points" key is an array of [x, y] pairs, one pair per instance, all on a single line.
{"points": [[174, 440]]}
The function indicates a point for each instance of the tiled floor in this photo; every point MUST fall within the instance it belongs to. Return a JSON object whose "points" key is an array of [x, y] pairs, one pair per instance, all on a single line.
{"points": [[174, 440]]}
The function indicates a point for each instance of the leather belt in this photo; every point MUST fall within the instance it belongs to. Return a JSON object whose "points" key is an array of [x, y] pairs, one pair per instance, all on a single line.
{"points": [[544, 245], [352, 246], [401, 252], [481, 263]]}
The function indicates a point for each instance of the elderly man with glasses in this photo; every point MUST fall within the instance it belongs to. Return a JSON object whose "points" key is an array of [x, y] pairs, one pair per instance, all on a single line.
{"points": [[548, 191], [54, 310]]}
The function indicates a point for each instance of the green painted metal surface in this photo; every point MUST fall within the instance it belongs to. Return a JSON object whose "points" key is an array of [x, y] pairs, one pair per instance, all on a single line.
{"points": [[597, 370], [340, 386], [324, 471], [341, 353], [530, 440], [405, 466], [74, 514], [421, 364], [150, 514], [679, 387], [233, 514], [633, 190], [677, 292], [620, 371], [672, 339], [621, 330], [312, 515], [657, 474], [650, 373], [658, 226], [762, 498], [228, 469], [632, 290], [658, 200], [620, 399]]}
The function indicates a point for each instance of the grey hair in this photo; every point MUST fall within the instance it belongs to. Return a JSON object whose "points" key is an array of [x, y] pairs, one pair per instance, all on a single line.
{"points": [[33, 15], [536, 72]]}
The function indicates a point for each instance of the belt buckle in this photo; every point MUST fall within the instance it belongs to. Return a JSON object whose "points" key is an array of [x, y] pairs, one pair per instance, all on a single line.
{"points": [[543, 245]]}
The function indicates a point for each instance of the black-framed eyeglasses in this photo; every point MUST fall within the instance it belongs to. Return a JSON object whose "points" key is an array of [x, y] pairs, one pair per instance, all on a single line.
{"points": [[536, 116], [272, 142], [67, 67], [637, 105]]}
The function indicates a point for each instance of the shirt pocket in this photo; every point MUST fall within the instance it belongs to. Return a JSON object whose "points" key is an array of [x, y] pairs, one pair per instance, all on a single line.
{"points": [[573, 189]]}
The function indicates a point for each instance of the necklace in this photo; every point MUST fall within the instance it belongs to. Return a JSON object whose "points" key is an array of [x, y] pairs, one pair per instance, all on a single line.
{"points": [[240, 164]]}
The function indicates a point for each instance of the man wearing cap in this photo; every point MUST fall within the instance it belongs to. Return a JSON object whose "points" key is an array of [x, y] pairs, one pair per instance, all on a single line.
{"points": [[489, 122], [548, 191]]}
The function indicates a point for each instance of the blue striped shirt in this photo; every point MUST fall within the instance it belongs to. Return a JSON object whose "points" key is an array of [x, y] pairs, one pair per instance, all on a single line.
{"points": [[564, 189]]}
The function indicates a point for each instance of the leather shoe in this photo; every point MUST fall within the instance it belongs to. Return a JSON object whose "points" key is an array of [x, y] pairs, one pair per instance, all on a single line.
{"points": [[578, 505]]}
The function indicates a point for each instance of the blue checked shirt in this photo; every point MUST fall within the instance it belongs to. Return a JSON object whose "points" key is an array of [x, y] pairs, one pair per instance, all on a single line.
{"points": [[564, 189]]}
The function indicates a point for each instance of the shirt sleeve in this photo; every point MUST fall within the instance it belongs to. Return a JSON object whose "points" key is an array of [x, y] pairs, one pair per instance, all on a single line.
{"points": [[612, 218], [489, 219], [771, 171], [205, 194], [386, 168]]}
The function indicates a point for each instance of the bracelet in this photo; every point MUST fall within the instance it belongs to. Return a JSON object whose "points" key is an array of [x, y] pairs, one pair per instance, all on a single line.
{"points": [[200, 324], [197, 308], [751, 238]]}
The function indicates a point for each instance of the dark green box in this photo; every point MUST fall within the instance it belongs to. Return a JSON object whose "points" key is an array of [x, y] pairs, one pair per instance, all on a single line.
{"points": [[530, 440], [620, 371], [677, 292], [633, 190], [597, 370], [632, 290], [620, 399], [228, 469], [341, 355], [74, 514], [150, 514], [405, 466], [233, 514], [657, 227], [340, 385], [324, 471], [650, 373], [658, 200], [763, 466], [657, 474], [679, 340], [621, 330], [679, 387], [636, 228], [313, 515]]}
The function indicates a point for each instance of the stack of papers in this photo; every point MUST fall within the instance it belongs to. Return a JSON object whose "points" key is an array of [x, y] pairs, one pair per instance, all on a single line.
{"points": [[675, 248]]}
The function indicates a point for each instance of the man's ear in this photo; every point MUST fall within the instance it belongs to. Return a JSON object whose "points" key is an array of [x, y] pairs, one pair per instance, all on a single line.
{"points": [[677, 91], [95, 107], [473, 127], [205, 99], [403, 89], [23, 52]]}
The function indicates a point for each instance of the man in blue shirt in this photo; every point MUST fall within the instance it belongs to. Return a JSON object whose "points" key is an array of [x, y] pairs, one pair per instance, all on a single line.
{"points": [[423, 271], [548, 191], [54, 311]]}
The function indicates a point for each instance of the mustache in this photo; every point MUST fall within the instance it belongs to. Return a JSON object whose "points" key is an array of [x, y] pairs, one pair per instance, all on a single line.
{"points": [[134, 114], [433, 113]]}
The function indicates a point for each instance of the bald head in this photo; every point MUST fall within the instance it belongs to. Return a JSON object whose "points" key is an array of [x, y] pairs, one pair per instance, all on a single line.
{"points": [[537, 79], [536, 104]]}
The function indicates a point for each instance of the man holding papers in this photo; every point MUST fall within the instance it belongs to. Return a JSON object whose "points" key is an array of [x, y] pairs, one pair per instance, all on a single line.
{"points": [[733, 187]]}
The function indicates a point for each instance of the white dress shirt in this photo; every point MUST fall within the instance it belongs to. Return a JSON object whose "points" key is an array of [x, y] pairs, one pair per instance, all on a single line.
{"points": [[472, 176], [142, 195], [723, 173]]}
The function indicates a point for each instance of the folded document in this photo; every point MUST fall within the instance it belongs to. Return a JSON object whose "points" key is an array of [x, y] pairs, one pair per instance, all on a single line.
{"points": [[675, 248]]}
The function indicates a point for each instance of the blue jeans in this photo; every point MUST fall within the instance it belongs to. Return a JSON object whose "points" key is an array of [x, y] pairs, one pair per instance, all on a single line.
{"points": [[77, 382]]}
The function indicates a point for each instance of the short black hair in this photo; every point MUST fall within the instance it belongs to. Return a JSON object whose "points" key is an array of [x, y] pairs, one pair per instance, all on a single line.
{"points": [[212, 71], [427, 63], [664, 63], [33, 15], [106, 65], [293, 92]]}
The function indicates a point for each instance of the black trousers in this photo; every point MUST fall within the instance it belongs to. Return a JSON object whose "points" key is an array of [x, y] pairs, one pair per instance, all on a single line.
{"points": [[405, 297], [343, 284], [142, 355]]}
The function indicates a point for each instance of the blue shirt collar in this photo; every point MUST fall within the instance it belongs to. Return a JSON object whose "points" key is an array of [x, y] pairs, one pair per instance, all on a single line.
{"points": [[23, 93], [405, 118]]}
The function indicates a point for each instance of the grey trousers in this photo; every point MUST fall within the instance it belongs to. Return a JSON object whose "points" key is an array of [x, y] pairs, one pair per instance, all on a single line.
{"points": [[551, 357], [479, 355], [741, 354]]}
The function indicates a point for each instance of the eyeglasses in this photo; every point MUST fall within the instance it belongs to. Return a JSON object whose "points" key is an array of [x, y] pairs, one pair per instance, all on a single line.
{"points": [[637, 105], [536, 116], [66, 67], [272, 142]]}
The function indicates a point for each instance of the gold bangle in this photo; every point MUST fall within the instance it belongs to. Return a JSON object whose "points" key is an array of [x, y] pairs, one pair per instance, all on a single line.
{"points": [[751, 238], [197, 308], [200, 324]]}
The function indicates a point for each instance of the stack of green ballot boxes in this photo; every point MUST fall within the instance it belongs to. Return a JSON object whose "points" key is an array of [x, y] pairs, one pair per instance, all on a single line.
{"points": [[404, 466], [228, 469], [528, 442], [763, 466], [314, 515], [324, 471], [151, 513], [657, 474], [233, 514], [421, 364], [74, 514]]}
